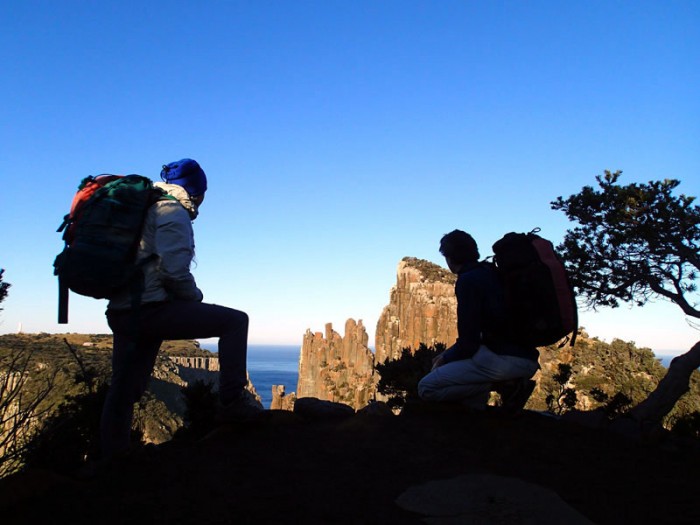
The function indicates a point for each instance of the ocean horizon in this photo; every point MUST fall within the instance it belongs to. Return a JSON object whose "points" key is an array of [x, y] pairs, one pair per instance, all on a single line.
{"points": [[270, 365], [666, 359]]}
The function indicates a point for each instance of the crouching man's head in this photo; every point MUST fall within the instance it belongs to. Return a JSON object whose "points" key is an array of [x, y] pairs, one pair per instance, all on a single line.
{"points": [[459, 250]]}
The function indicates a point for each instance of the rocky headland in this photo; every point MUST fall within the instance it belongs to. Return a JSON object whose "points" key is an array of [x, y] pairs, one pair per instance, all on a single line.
{"points": [[336, 368], [422, 309]]}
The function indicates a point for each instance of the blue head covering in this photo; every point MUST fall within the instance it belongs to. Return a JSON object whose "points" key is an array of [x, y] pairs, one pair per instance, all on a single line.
{"points": [[186, 173]]}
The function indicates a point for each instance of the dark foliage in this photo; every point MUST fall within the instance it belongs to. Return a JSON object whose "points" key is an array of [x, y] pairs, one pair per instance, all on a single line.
{"points": [[399, 377], [70, 435], [564, 397], [62, 393], [613, 406], [3, 287], [633, 243], [688, 426], [200, 409], [430, 271], [21, 405]]}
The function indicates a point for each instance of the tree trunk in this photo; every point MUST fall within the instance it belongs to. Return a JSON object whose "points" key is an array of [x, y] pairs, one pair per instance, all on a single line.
{"points": [[652, 410]]}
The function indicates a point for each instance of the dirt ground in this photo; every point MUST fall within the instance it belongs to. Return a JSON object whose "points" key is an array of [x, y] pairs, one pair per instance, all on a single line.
{"points": [[438, 465]]}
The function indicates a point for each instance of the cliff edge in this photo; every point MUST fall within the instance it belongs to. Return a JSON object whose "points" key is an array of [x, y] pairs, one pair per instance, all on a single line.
{"points": [[426, 464], [422, 309]]}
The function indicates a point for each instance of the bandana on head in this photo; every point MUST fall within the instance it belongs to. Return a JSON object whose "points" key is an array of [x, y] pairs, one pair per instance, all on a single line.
{"points": [[186, 173]]}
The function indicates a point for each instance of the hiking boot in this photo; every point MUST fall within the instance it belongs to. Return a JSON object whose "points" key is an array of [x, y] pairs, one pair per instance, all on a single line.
{"points": [[244, 408], [514, 394]]}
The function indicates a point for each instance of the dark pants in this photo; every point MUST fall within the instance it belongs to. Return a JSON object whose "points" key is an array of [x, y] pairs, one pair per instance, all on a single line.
{"points": [[137, 340]]}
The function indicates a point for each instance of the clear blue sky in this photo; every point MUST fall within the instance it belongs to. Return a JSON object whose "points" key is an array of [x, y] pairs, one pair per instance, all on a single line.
{"points": [[339, 137]]}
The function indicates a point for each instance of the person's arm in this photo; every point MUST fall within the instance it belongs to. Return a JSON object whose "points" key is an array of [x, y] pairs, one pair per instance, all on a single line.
{"points": [[175, 246], [468, 322]]}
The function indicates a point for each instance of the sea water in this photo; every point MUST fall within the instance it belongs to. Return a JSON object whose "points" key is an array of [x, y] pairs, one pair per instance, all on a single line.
{"points": [[270, 365], [666, 359]]}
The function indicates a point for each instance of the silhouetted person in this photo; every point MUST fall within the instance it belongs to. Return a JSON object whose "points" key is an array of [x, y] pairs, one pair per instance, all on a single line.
{"points": [[480, 361], [171, 307]]}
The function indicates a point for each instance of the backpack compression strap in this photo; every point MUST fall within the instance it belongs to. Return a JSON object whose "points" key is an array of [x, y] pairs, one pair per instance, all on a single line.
{"points": [[62, 302]]}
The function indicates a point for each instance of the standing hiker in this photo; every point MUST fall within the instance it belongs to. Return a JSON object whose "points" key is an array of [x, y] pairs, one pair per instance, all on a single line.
{"points": [[171, 307], [481, 360]]}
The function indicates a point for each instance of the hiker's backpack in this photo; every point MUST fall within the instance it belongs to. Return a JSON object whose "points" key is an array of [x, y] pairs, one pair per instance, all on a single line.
{"points": [[102, 234], [540, 302]]}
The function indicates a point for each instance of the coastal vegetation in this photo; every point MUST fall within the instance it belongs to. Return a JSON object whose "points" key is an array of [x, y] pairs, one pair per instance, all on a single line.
{"points": [[52, 387], [632, 244]]}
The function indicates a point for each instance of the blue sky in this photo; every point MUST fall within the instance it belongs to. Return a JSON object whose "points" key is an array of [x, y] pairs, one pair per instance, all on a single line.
{"points": [[339, 137]]}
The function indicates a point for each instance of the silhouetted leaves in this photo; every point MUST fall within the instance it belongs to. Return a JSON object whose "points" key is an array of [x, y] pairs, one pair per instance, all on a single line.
{"points": [[688, 425], [399, 377], [633, 243], [3, 287], [200, 410], [564, 397], [70, 436]]}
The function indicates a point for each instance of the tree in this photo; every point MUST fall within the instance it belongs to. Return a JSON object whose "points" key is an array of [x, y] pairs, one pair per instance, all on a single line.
{"points": [[564, 398], [69, 434], [19, 406], [635, 243], [3, 287]]}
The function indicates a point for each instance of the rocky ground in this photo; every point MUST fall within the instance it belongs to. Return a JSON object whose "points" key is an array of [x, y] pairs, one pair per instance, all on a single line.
{"points": [[429, 465]]}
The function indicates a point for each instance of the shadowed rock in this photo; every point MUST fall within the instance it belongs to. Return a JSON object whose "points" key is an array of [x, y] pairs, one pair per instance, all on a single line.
{"points": [[481, 499], [312, 408]]}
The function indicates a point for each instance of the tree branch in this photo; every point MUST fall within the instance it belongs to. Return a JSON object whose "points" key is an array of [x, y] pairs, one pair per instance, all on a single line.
{"points": [[679, 299], [675, 383]]}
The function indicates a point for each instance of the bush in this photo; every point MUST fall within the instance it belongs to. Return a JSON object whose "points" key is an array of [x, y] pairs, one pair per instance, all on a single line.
{"points": [[200, 410], [399, 377], [70, 436], [687, 426], [563, 398]]}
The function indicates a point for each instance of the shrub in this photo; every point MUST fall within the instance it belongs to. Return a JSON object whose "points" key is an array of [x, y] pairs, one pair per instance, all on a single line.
{"points": [[399, 377]]}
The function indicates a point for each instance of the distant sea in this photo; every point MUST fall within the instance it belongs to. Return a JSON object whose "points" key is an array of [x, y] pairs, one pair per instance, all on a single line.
{"points": [[270, 365], [666, 359]]}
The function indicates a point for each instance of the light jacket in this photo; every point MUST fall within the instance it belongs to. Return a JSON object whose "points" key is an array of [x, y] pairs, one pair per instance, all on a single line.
{"points": [[168, 234]]}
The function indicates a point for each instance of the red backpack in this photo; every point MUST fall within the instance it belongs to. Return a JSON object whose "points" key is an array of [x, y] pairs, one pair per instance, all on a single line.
{"points": [[540, 301], [88, 187]]}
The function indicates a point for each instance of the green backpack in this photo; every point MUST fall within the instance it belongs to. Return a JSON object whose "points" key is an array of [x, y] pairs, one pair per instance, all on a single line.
{"points": [[102, 232]]}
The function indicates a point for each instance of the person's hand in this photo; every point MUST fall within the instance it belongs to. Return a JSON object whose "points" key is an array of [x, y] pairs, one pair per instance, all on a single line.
{"points": [[438, 361]]}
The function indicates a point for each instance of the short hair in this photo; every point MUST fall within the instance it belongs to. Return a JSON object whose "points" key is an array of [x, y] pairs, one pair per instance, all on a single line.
{"points": [[459, 246]]}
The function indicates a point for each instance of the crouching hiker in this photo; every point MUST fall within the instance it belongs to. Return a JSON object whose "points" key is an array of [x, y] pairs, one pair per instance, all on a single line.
{"points": [[480, 361], [171, 307]]}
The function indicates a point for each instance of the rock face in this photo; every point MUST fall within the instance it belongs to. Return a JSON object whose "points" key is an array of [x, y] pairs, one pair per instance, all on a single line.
{"points": [[281, 400], [200, 362], [422, 309], [202, 368], [335, 368], [197, 368]]}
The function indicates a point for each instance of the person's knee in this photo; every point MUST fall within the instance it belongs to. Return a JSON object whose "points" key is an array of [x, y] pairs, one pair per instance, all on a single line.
{"points": [[242, 319], [426, 389], [237, 320]]}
